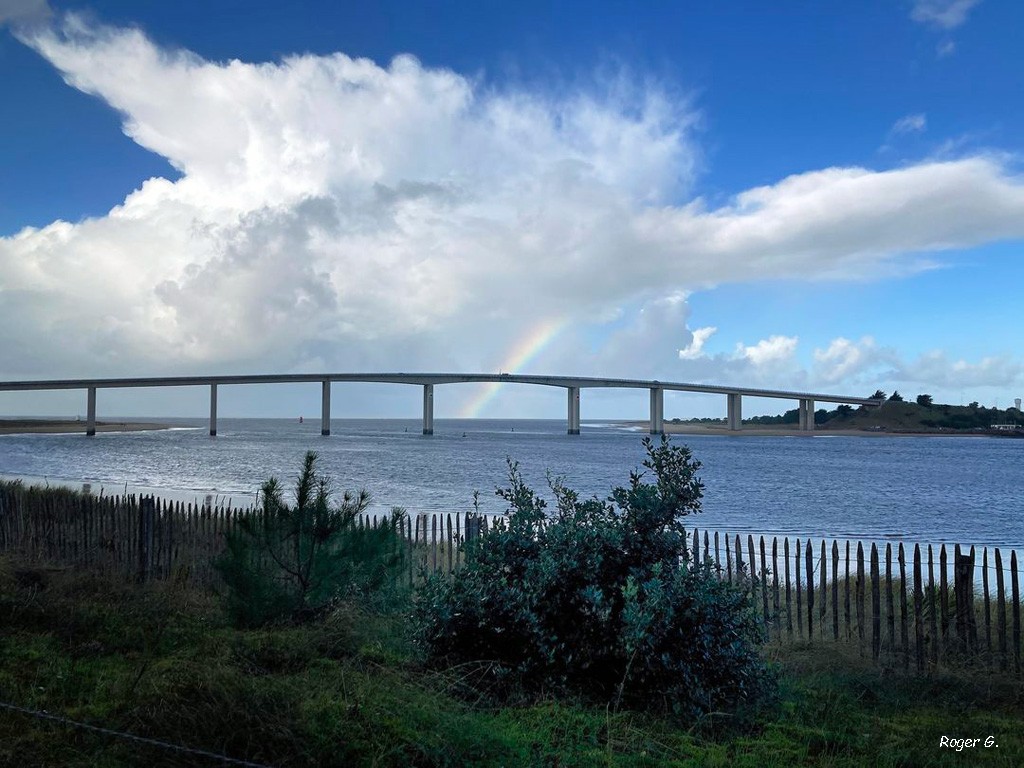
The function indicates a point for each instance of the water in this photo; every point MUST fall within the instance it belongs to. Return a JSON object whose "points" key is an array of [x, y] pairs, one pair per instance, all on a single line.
{"points": [[927, 489]]}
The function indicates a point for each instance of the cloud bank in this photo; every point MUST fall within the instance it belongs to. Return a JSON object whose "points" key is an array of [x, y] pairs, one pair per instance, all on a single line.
{"points": [[337, 214]]}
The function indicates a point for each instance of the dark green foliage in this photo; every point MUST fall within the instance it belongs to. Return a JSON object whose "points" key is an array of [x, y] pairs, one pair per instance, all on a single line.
{"points": [[789, 417], [924, 400], [293, 562], [896, 397], [596, 598], [878, 395]]}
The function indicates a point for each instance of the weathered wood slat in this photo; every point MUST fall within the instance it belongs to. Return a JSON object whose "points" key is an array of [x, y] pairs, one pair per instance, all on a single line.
{"points": [[904, 631], [890, 608], [764, 590], [775, 586], [943, 599], [835, 590], [988, 604], [789, 607], [1015, 597], [809, 557], [799, 591], [861, 620], [933, 618], [755, 582], [1000, 609], [739, 563], [728, 557], [918, 609], [876, 616], [846, 594], [823, 599]]}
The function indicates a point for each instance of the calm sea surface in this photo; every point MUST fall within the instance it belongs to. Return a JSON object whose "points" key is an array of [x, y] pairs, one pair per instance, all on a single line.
{"points": [[934, 489]]}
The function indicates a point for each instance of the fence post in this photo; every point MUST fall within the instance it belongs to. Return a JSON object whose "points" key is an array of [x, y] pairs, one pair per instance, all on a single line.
{"points": [[1015, 594], [876, 617], [890, 607], [904, 635], [789, 608], [963, 591], [147, 512], [988, 603], [755, 582], [809, 559], [823, 600], [943, 599], [835, 590], [932, 610], [775, 585], [799, 592], [473, 528], [764, 587], [846, 594], [918, 599], [860, 596], [1001, 609]]}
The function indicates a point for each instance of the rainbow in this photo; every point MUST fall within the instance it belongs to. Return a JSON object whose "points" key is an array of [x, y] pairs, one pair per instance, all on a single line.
{"points": [[521, 354]]}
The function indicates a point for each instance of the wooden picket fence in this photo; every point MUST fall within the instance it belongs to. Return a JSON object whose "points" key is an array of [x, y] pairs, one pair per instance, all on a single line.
{"points": [[144, 538], [889, 605], [918, 609], [137, 537]]}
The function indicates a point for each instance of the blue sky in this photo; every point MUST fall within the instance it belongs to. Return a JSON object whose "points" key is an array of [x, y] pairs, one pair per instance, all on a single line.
{"points": [[794, 195]]}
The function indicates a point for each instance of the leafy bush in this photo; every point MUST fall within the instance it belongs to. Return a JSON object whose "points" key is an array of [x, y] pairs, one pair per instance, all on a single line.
{"points": [[598, 599], [294, 562]]}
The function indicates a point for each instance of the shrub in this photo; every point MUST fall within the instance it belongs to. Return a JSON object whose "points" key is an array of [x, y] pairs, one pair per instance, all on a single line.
{"points": [[294, 562], [598, 599]]}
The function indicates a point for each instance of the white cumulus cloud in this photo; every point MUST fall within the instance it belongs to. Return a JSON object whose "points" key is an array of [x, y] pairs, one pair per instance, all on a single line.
{"points": [[945, 14], [695, 348], [336, 213], [915, 123]]}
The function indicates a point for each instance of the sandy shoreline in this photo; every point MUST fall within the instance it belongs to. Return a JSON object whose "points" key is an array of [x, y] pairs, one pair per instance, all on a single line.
{"points": [[753, 430], [60, 426]]}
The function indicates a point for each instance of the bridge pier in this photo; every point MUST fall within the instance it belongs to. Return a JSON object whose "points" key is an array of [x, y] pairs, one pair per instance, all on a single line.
{"points": [[657, 411], [574, 410], [735, 401], [428, 409], [213, 410], [90, 412], [325, 408], [807, 415]]}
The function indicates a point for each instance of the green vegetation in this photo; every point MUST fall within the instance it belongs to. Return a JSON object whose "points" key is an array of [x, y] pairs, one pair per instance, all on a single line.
{"points": [[597, 601], [294, 562], [897, 415], [164, 661], [624, 658]]}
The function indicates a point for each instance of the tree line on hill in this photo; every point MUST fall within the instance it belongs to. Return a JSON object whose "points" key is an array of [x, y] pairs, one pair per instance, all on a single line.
{"points": [[929, 414]]}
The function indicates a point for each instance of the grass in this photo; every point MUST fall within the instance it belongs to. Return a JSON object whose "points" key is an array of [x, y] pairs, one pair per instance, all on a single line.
{"points": [[161, 661]]}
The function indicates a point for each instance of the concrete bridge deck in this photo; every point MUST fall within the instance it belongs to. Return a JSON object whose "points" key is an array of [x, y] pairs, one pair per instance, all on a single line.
{"points": [[573, 385]]}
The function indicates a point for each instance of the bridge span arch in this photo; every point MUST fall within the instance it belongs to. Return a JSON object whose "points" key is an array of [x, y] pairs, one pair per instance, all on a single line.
{"points": [[572, 384]]}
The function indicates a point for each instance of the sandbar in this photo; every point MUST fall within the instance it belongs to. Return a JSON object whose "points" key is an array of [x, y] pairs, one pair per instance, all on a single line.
{"points": [[757, 430], [70, 426]]}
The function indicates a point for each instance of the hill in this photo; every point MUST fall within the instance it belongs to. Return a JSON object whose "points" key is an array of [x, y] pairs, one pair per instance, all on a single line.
{"points": [[899, 416]]}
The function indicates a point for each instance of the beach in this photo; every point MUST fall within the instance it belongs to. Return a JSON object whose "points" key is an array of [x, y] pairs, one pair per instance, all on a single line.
{"points": [[757, 430], [70, 426]]}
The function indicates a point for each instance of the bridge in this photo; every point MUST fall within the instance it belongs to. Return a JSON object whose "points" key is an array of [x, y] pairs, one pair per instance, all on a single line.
{"points": [[572, 384]]}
